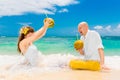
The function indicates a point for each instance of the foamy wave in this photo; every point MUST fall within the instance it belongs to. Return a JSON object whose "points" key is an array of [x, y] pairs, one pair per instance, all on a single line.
{"points": [[11, 70], [53, 62], [10, 64], [113, 62]]}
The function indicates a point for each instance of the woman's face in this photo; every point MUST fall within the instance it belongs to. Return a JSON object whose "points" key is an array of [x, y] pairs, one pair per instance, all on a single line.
{"points": [[29, 34]]}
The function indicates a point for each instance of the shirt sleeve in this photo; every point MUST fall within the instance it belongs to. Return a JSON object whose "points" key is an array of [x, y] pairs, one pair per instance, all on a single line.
{"points": [[98, 40]]}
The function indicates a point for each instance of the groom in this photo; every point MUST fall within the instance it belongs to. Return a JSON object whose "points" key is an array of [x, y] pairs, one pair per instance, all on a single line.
{"points": [[93, 48]]}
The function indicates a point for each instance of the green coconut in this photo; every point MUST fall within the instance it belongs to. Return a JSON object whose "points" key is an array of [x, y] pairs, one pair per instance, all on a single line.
{"points": [[78, 44], [51, 22]]}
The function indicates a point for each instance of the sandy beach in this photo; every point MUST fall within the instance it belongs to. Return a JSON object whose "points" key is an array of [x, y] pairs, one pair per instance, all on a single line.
{"points": [[37, 39], [64, 75], [56, 61], [57, 72]]}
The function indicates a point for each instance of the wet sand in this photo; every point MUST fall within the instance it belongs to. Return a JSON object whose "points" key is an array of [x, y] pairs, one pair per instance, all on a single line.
{"points": [[64, 75]]}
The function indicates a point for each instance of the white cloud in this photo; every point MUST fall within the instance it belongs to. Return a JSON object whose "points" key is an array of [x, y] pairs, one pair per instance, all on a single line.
{"points": [[117, 30], [108, 30], [98, 27], [20, 7], [63, 10], [118, 27]]}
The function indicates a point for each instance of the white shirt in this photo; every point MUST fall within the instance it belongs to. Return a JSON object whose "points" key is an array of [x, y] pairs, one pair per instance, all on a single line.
{"points": [[92, 42]]}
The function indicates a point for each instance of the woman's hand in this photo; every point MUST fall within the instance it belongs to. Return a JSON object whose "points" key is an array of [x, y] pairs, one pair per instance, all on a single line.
{"points": [[47, 22]]}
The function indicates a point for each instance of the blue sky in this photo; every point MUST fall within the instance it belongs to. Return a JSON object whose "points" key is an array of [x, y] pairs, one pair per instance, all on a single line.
{"points": [[101, 15]]}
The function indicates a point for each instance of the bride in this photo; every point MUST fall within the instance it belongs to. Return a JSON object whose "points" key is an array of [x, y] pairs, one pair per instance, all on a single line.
{"points": [[26, 46]]}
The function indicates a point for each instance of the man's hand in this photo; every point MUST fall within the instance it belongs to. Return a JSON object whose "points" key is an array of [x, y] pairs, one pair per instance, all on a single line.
{"points": [[103, 67], [80, 51]]}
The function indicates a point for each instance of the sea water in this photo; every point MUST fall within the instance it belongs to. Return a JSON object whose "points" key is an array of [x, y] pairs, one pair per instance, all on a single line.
{"points": [[57, 51], [58, 45]]}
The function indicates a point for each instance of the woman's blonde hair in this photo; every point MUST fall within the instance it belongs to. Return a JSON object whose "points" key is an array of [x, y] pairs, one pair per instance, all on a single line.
{"points": [[23, 32]]}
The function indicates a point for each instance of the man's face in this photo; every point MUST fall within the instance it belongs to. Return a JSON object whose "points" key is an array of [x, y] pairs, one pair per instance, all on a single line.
{"points": [[81, 29]]}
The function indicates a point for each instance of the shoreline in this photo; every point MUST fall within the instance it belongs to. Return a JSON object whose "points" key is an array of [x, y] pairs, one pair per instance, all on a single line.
{"points": [[64, 75]]}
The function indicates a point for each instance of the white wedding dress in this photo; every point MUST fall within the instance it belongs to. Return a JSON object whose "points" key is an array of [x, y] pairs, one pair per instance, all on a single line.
{"points": [[33, 56]]}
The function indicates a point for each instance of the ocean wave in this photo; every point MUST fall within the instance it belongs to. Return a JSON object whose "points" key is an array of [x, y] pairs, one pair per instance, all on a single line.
{"points": [[52, 62], [55, 62], [113, 62]]}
